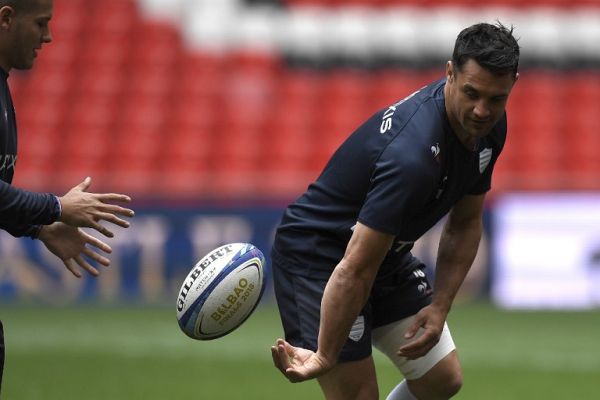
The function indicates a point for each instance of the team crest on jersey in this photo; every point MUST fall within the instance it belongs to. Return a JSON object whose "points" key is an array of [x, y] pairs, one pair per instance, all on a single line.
{"points": [[484, 159]]}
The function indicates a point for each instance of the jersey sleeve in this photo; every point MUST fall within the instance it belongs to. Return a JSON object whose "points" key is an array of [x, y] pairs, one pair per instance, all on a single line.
{"points": [[397, 186], [484, 184], [21, 211]]}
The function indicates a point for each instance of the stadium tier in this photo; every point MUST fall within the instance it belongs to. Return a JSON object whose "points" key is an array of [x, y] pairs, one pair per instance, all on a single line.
{"points": [[437, 3], [195, 108]]}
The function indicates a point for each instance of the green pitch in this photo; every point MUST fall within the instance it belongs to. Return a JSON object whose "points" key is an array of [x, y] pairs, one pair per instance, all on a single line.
{"points": [[139, 353]]}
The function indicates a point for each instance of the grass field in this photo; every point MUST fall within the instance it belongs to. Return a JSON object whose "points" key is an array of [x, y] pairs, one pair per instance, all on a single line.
{"points": [[139, 353]]}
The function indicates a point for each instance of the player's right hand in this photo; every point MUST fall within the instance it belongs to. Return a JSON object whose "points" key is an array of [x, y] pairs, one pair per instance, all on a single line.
{"points": [[74, 247], [86, 210], [298, 364]]}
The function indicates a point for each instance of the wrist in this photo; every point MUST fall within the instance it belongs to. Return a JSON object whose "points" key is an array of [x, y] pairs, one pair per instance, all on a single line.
{"points": [[58, 209], [325, 361], [40, 233], [442, 305]]}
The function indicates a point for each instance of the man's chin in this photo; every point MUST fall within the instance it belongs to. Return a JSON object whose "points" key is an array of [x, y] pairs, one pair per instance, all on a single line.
{"points": [[479, 132]]}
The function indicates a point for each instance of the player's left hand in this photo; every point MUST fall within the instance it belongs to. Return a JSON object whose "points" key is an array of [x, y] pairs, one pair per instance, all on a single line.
{"points": [[70, 245], [429, 323], [298, 364]]}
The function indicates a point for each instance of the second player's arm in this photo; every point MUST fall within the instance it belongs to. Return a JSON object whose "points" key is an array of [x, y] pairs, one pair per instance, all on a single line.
{"points": [[349, 287]]}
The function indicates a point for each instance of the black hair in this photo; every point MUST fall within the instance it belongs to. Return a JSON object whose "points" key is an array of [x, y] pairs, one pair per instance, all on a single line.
{"points": [[20, 5], [492, 46]]}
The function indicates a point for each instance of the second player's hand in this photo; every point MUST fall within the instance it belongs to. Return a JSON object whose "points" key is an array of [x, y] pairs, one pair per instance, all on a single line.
{"points": [[86, 210], [70, 244], [431, 321], [296, 363]]}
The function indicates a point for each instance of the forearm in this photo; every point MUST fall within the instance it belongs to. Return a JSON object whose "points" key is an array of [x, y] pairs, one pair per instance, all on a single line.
{"points": [[345, 295], [457, 251]]}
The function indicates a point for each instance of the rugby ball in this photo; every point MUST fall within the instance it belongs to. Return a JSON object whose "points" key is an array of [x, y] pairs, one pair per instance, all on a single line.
{"points": [[221, 291]]}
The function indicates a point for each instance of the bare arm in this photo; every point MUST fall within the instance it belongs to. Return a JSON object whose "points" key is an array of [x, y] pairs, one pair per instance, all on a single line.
{"points": [[346, 293], [348, 288], [457, 250]]}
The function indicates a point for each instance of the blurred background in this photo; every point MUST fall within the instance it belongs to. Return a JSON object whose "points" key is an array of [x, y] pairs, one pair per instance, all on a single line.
{"points": [[215, 114]]}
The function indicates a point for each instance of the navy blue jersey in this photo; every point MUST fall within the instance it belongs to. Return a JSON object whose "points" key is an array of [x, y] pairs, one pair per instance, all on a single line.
{"points": [[398, 173], [20, 211]]}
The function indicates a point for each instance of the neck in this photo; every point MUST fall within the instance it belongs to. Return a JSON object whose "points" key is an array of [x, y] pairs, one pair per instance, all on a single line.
{"points": [[470, 142]]}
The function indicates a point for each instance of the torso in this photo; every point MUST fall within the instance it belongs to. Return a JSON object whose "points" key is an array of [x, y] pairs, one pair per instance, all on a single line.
{"points": [[399, 173]]}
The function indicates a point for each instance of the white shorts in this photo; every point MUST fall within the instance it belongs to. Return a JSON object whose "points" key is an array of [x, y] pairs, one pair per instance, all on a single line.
{"points": [[389, 338]]}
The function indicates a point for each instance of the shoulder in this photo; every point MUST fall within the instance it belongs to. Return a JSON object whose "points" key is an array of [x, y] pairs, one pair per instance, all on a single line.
{"points": [[422, 105], [409, 158]]}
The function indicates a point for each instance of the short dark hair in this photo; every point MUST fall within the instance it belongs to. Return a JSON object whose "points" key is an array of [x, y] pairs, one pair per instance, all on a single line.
{"points": [[492, 46], [20, 5]]}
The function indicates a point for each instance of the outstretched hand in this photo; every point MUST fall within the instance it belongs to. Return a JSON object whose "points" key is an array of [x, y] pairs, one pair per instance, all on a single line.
{"points": [[298, 364], [70, 245], [85, 210], [429, 322]]}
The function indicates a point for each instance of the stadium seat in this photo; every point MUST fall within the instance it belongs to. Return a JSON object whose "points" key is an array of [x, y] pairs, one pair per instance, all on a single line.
{"points": [[104, 49], [226, 117], [69, 17], [113, 16]]}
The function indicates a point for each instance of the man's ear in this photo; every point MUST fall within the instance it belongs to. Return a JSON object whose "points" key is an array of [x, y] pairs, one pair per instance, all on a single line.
{"points": [[449, 71], [6, 16]]}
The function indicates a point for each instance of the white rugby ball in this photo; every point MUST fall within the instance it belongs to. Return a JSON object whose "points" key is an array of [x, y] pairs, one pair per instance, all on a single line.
{"points": [[221, 291]]}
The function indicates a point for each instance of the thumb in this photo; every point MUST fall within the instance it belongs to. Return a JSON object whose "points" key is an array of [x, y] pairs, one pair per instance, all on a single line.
{"points": [[83, 186]]}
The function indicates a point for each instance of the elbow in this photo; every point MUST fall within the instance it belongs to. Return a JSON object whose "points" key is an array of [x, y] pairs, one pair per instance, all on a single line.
{"points": [[353, 279]]}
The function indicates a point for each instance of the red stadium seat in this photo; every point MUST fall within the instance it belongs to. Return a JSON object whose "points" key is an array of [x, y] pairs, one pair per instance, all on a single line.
{"points": [[241, 122], [113, 16]]}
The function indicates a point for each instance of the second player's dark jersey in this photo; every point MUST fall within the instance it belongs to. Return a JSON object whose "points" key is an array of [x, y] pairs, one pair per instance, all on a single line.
{"points": [[398, 173], [20, 211]]}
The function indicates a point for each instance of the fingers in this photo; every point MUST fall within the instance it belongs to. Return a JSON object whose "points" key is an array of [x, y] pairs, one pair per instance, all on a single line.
{"points": [[102, 229], [85, 265], [126, 212], [282, 354], [413, 328], [96, 242], [419, 347], [280, 357], [275, 357], [69, 264], [96, 257], [112, 219], [114, 197], [295, 363], [83, 186]]}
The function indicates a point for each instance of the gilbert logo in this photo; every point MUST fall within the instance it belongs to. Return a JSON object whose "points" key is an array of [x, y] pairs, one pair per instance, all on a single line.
{"points": [[484, 159]]}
